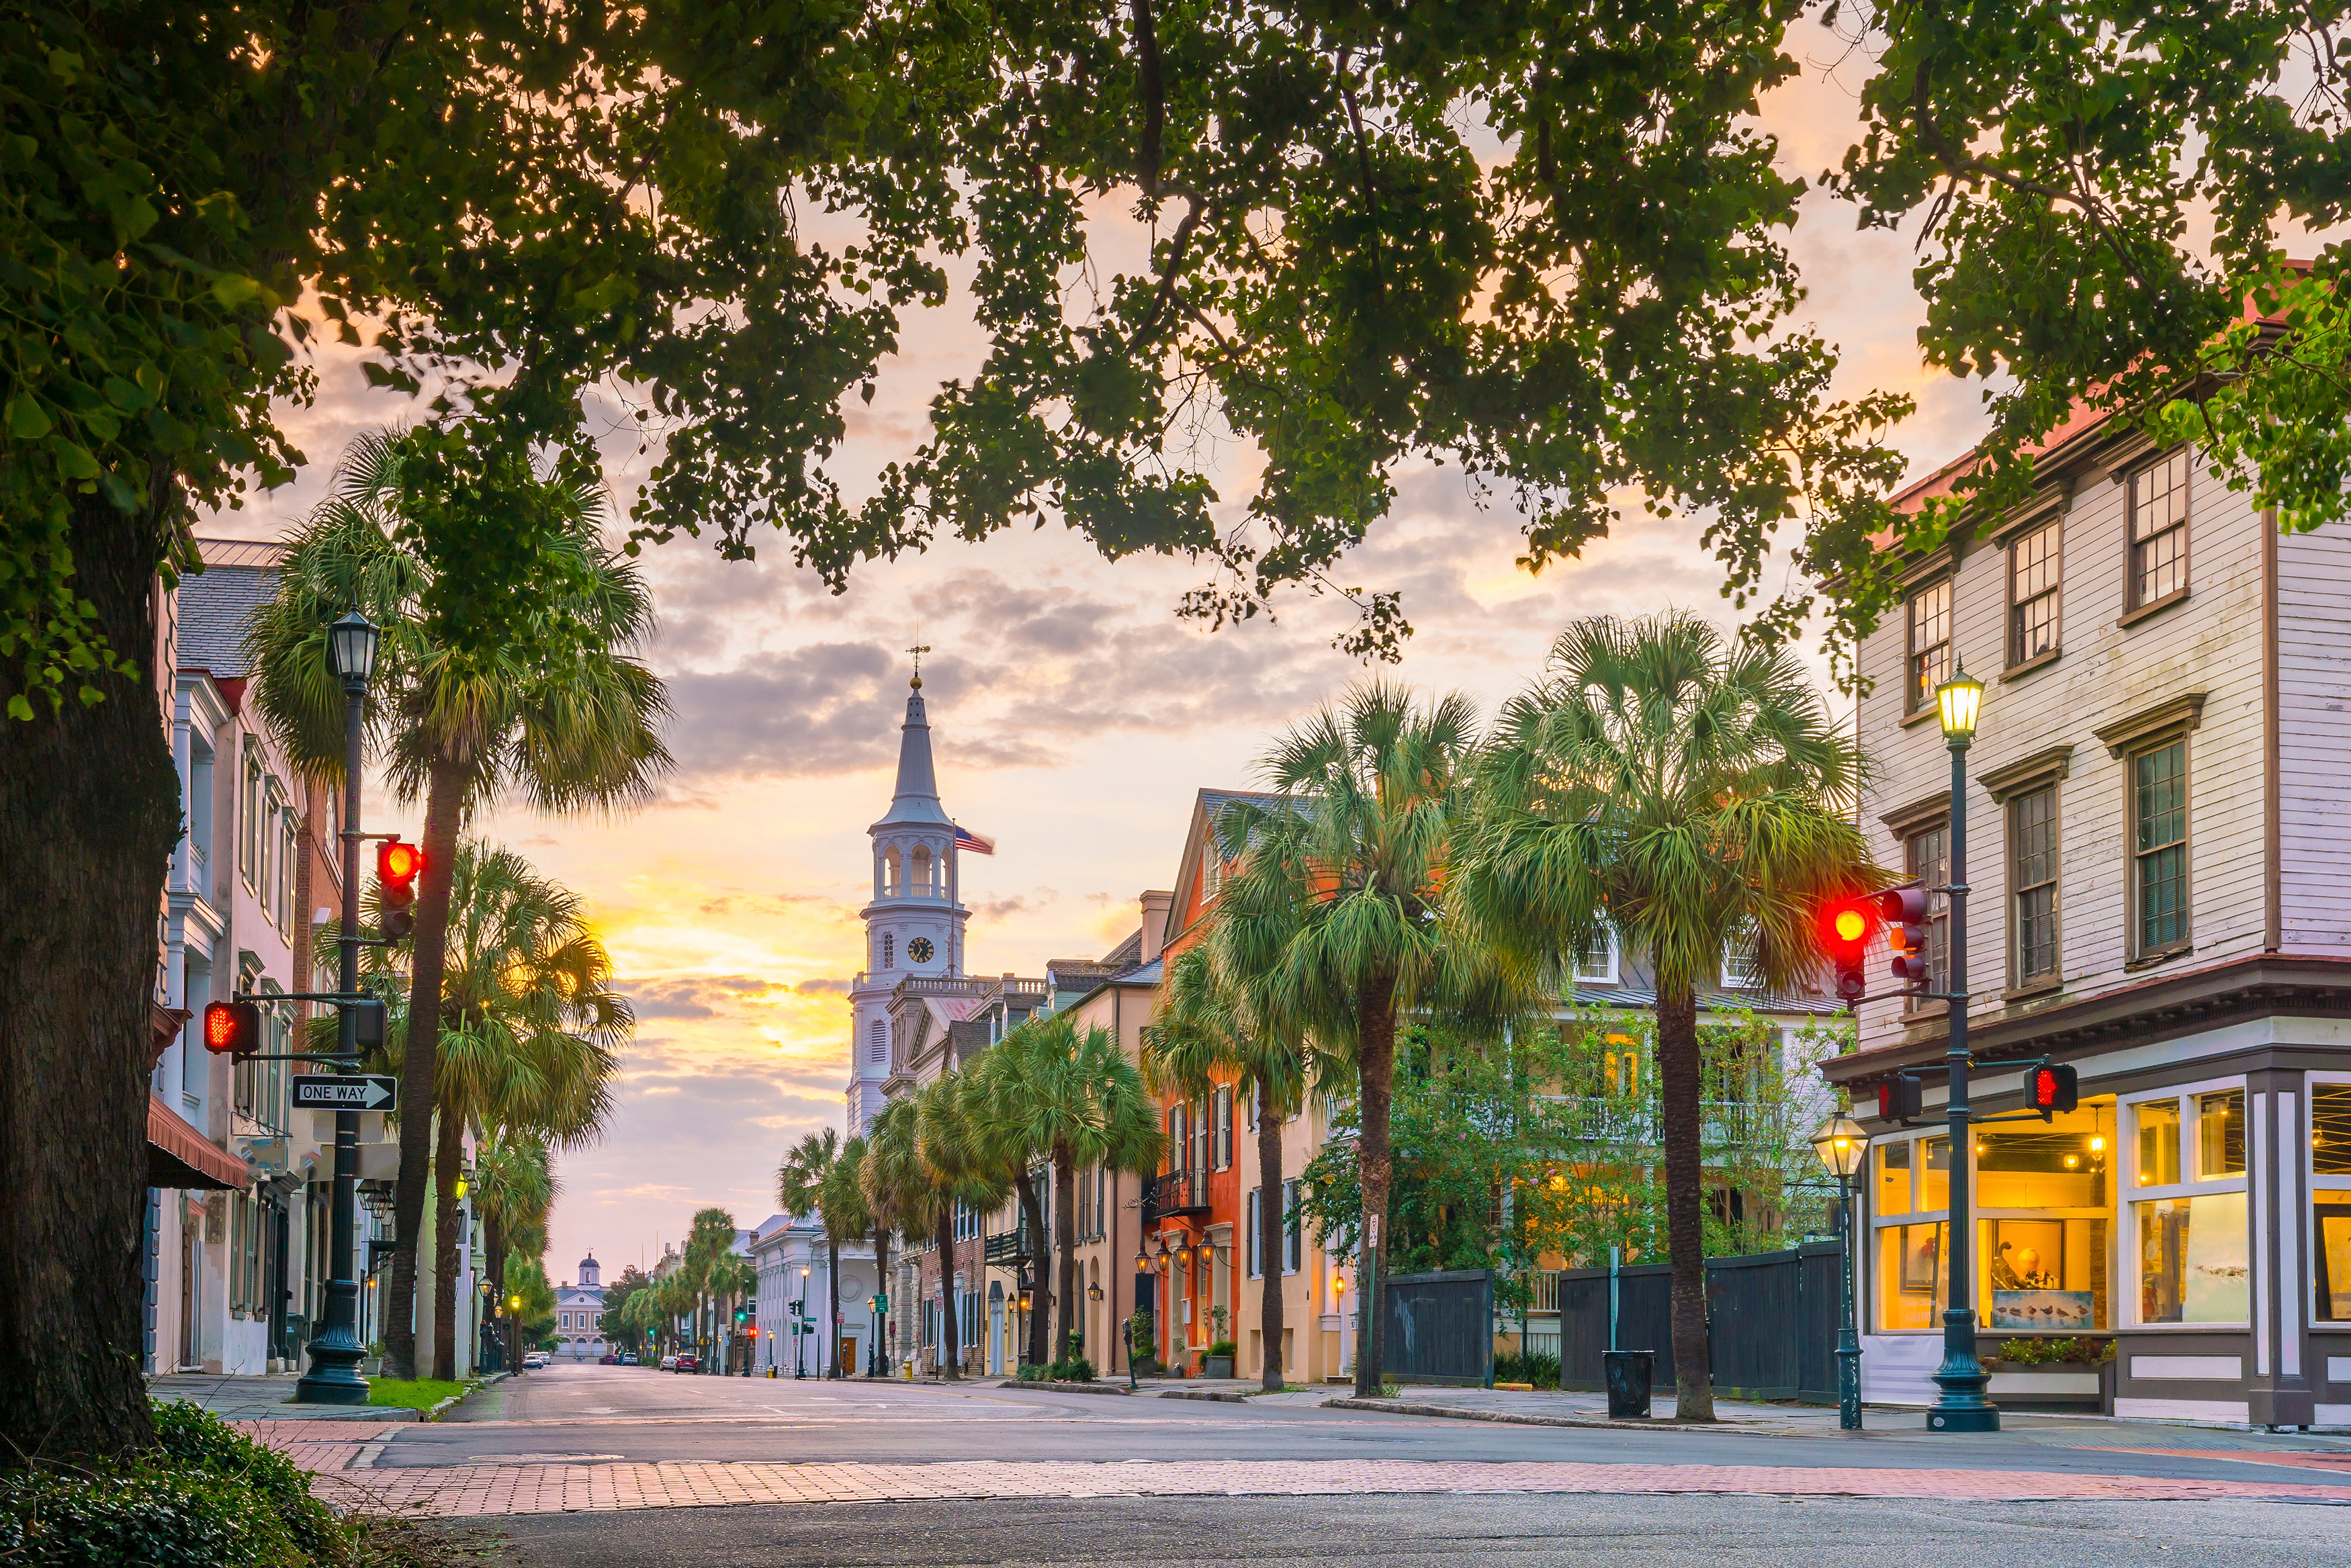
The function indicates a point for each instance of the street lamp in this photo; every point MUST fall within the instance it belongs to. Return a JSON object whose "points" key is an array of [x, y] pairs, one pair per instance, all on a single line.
{"points": [[1962, 1407], [1842, 1145], [334, 1374]]}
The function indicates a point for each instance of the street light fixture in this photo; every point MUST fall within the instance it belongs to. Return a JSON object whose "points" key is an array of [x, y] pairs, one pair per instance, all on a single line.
{"points": [[1843, 1145], [334, 1377], [1962, 1405]]}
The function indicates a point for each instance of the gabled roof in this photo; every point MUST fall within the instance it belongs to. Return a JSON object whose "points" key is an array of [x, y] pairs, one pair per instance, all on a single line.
{"points": [[1191, 901], [217, 604]]}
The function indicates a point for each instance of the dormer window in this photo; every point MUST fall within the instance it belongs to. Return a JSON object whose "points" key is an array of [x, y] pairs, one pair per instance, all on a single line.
{"points": [[1596, 964]]}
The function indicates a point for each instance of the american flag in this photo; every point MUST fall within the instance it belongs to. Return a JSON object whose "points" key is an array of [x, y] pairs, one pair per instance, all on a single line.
{"points": [[966, 839]]}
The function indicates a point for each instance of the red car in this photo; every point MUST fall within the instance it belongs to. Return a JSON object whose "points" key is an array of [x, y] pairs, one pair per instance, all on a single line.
{"points": [[689, 1364]]}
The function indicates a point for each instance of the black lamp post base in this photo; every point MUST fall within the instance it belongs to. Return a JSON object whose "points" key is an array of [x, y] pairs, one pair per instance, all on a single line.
{"points": [[333, 1379], [1979, 1418]]}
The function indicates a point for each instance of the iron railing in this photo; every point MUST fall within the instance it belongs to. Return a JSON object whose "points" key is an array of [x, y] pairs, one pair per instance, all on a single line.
{"points": [[1174, 1193]]}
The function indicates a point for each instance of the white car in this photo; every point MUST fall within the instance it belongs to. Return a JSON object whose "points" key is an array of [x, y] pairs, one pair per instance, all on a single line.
{"points": [[668, 1364], [535, 1359]]}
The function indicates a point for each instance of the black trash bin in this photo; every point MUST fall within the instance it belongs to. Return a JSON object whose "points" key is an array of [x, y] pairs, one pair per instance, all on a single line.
{"points": [[1629, 1374]]}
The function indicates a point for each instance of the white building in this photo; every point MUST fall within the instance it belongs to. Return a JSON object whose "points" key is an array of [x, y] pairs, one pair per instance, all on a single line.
{"points": [[793, 1266], [579, 1314]]}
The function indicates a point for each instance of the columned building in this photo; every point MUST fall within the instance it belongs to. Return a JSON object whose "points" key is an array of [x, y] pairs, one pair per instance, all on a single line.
{"points": [[579, 1314], [915, 922]]}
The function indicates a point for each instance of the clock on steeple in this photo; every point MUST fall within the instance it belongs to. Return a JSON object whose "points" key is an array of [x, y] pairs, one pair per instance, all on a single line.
{"points": [[920, 949]]}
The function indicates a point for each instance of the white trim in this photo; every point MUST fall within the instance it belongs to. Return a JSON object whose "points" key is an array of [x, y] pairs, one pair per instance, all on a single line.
{"points": [[2338, 1369], [2235, 1411], [2257, 1222], [1609, 973], [2289, 1240], [2189, 1368]]}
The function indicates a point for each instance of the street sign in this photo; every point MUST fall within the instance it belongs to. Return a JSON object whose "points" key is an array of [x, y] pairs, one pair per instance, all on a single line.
{"points": [[317, 1092]]}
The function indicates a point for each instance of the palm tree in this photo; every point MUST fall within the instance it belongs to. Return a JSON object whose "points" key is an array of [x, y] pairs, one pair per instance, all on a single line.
{"points": [[548, 700], [1215, 1025], [514, 1188], [1002, 1145], [709, 1255], [530, 1031], [1337, 902], [957, 1179], [896, 1189], [1693, 793], [1075, 1099], [820, 1176]]}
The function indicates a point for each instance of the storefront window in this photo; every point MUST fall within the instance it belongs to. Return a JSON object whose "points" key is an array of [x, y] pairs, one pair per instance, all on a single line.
{"points": [[2330, 1130], [1893, 1177], [1934, 1174], [2046, 1276], [2330, 1198], [2192, 1259], [2220, 1134], [2332, 1212], [2158, 1142], [1911, 1290]]}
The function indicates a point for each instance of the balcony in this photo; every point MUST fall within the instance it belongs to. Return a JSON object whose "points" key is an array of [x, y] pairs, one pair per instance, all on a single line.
{"points": [[1010, 1248], [1176, 1195]]}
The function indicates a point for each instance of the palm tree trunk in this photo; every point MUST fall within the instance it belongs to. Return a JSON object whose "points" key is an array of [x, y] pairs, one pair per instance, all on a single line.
{"points": [[1271, 1234], [90, 810], [446, 1159], [1376, 1067], [1065, 1246], [950, 1359], [1035, 1214], [1679, 1074], [444, 800], [833, 1294]]}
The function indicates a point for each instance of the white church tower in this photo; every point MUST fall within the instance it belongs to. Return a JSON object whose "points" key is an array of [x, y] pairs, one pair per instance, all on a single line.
{"points": [[915, 923]]}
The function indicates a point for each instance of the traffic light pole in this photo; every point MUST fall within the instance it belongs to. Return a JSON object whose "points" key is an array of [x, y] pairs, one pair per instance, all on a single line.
{"points": [[334, 1374], [1962, 1405]]}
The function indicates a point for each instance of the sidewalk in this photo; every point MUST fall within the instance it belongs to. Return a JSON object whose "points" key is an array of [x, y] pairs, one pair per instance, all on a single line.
{"points": [[267, 1398]]}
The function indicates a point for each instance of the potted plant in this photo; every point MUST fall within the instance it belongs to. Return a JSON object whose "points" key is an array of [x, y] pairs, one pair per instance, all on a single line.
{"points": [[1217, 1360], [2057, 1367]]}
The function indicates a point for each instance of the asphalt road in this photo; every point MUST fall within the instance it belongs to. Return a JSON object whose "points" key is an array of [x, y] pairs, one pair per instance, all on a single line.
{"points": [[603, 1413], [1523, 1532]]}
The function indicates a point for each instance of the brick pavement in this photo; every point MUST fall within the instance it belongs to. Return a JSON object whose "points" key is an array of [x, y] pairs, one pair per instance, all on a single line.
{"points": [[467, 1490]]}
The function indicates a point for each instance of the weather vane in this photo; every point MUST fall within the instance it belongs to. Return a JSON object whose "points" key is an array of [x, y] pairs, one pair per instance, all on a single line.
{"points": [[920, 649]]}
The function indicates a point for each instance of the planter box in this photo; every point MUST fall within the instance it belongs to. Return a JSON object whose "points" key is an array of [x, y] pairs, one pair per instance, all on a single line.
{"points": [[2048, 1379], [1216, 1367]]}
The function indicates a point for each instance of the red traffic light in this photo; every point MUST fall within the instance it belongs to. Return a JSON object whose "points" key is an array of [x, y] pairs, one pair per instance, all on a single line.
{"points": [[1846, 926], [397, 866], [232, 1028], [2051, 1088], [398, 862]]}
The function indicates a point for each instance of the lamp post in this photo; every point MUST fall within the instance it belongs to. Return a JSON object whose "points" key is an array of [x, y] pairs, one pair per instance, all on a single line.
{"points": [[1842, 1145], [880, 1304], [334, 1377], [1962, 1407]]}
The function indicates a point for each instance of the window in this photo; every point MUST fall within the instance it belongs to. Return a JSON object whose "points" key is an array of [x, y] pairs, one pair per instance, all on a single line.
{"points": [[1596, 964], [2159, 848], [889, 950], [2190, 1257], [248, 815], [1293, 1237], [1929, 615], [1251, 1250], [878, 1050], [1179, 1150], [2033, 882], [1621, 1064], [890, 879], [2330, 1199], [2032, 588], [1739, 971], [2158, 530], [1926, 855], [922, 872], [1223, 1125]]}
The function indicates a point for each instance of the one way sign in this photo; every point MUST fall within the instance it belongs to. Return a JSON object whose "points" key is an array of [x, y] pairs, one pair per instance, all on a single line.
{"points": [[318, 1093]]}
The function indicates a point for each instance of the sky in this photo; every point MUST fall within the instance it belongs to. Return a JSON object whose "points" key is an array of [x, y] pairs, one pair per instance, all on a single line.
{"points": [[1073, 718]]}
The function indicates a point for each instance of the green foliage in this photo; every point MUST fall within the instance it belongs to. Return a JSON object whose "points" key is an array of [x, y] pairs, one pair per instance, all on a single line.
{"points": [[526, 1277], [206, 1496], [1222, 1348], [2050, 1351], [1070, 1369], [1537, 1369], [411, 1393], [622, 1324]]}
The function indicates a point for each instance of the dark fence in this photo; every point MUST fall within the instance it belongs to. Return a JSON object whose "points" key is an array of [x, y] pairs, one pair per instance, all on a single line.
{"points": [[1439, 1328], [1771, 1323]]}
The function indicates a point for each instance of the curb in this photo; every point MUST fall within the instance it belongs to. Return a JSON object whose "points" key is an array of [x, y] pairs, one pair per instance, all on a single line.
{"points": [[1218, 1394], [1117, 1388], [442, 1406], [1513, 1418]]}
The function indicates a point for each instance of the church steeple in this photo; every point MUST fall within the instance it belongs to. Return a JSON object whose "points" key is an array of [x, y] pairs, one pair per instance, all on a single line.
{"points": [[917, 795]]}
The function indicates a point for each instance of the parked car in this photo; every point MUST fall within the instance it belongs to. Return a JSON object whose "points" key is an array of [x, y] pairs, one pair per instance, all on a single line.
{"points": [[534, 1359], [689, 1364], [608, 1361], [624, 1359], [668, 1364]]}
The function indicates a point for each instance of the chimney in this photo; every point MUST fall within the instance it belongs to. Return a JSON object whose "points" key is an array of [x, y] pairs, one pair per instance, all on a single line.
{"points": [[1156, 905]]}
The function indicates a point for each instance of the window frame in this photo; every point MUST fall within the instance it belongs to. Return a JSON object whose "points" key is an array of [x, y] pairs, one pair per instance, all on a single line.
{"points": [[1915, 698], [2017, 978], [2335, 1193], [2134, 605], [1220, 1126], [1610, 973], [2129, 1195], [2018, 658], [2138, 951]]}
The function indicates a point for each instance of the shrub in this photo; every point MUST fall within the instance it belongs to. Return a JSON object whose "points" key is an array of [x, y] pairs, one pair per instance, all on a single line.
{"points": [[195, 1437], [1536, 1369], [2043, 1351], [1032, 1373], [1224, 1348], [1076, 1369]]}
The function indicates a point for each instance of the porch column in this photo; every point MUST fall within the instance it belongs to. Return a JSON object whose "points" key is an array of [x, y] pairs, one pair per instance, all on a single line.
{"points": [[2278, 1392]]}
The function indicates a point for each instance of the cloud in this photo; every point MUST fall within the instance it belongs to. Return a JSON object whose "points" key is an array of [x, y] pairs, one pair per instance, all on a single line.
{"points": [[994, 909], [822, 987], [697, 997]]}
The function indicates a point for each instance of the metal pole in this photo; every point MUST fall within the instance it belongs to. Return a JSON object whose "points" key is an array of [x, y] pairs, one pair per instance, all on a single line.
{"points": [[334, 1374], [1962, 1407], [1848, 1351], [1614, 1257]]}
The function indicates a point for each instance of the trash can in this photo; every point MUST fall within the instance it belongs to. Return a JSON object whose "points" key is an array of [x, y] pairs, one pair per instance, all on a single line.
{"points": [[1629, 1373]]}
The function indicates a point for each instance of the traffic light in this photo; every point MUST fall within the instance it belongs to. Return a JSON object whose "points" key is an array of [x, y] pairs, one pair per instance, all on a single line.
{"points": [[2051, 1088], [1905, 911], [232, 1028], [1899, 1098], [397, 866], [1846, 925], [741, 1315]]}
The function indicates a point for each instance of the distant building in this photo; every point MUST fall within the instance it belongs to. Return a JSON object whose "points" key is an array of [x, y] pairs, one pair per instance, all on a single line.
{"points": [[579, 1314]]}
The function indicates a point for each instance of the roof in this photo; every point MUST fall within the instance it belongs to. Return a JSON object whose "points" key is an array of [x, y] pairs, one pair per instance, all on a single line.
{"points": [[916, 798], [217, 604], [1646, 997]]}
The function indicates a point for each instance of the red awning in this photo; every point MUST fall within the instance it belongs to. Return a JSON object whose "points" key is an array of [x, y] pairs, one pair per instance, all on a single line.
{"points": [[178, 1155]]}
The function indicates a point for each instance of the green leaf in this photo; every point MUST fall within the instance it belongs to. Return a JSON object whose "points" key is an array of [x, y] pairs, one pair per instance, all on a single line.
{"points": [[27, 420]]}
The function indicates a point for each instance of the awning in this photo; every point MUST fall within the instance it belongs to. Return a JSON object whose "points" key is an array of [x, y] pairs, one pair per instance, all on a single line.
{"points": [[178, 1155]]}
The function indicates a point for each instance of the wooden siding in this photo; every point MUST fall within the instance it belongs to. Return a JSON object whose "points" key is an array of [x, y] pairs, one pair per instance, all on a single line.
{"points": [[2105, 673], [2315, 739]]}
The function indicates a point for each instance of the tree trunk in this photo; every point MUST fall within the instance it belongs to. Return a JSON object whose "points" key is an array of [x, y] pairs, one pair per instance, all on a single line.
{"points": [[448, 1159], [1271, 1234], [1679, 1074], [88, 814], [443, 798], [880, 1328], [1376, 1067], [1034, 1213], [832, 1291], [950, 1358], [1065, 1247], [494, 1258]]}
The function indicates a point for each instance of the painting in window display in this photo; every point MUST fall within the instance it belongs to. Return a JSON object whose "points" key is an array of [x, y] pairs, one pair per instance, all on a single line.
{"points": [[2046, 1276], [2193, 1262], [2334, 1257]]}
